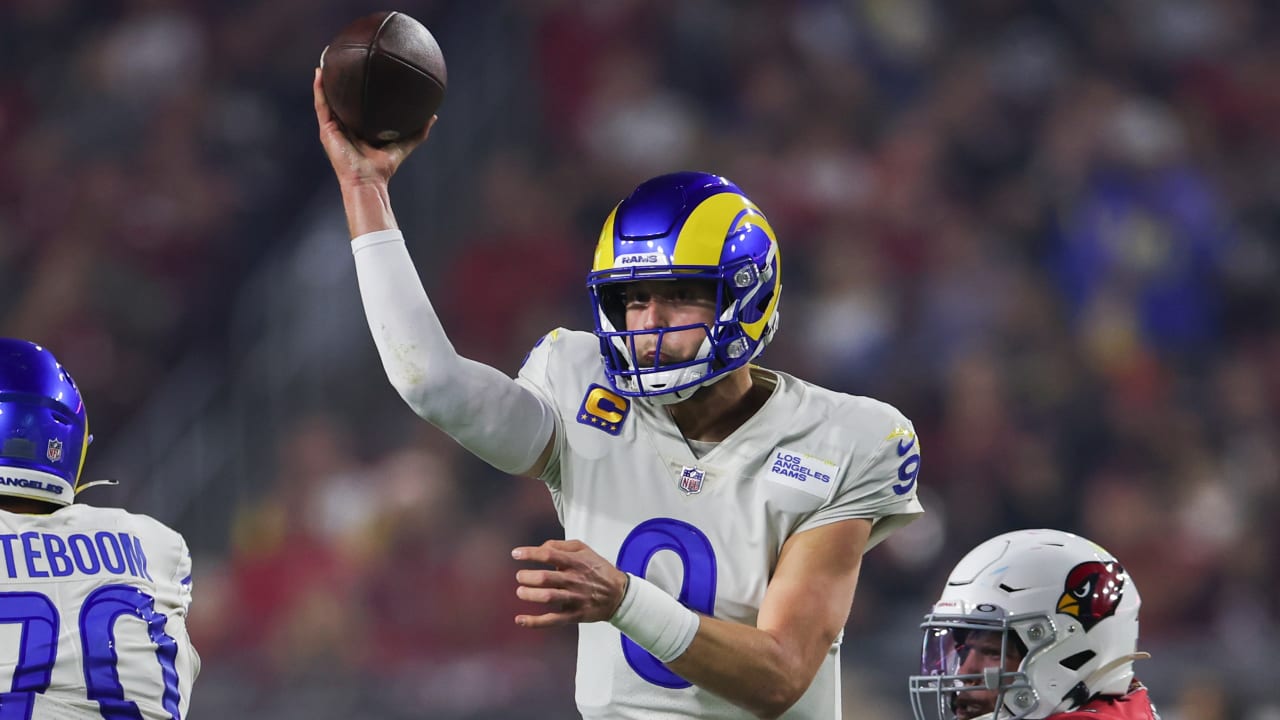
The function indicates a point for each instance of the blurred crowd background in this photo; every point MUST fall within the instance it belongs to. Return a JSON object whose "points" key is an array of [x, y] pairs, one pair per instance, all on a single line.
{"points": [[1046, 231]]}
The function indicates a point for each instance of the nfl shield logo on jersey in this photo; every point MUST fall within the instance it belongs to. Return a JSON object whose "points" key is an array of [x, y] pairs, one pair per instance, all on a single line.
{"points": [[691, 480], [54, 453]]}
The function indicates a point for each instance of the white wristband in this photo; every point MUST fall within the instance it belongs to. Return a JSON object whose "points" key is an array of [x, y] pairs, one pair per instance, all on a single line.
{"points": [[656, 621]]}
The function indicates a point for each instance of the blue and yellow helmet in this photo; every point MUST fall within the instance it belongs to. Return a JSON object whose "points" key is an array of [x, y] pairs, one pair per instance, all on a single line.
{"points": [[683, 226], [44, 431]]}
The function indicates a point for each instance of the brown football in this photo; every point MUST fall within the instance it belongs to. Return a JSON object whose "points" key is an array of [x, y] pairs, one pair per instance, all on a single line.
{"points": [[383, 76]]}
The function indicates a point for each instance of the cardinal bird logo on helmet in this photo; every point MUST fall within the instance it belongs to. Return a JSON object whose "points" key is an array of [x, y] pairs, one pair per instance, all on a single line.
{"points": [[1092, 592]]}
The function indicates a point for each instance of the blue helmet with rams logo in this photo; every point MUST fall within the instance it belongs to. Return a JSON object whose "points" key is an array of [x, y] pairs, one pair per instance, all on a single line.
{"points": [[686, 226], [44, 431]]}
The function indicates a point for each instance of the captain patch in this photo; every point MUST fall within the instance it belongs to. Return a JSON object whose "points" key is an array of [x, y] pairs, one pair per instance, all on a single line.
{"points": [[802, 472], [603, 409]]}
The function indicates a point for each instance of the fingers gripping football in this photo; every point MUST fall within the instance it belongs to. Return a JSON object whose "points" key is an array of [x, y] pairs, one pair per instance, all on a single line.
{"points": [[582, 587], [354, 160]]}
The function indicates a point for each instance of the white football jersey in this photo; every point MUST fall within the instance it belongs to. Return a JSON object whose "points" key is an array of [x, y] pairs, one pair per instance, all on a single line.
{"points": [[708, 529], [93, 606]]}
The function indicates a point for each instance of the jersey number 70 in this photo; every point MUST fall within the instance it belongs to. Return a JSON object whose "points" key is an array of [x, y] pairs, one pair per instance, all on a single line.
{"points": [[39, 649], [697, 590]]}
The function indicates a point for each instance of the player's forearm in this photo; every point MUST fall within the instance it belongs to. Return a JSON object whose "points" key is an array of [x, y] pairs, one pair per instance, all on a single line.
{"points": [[368, 207], [744, 665], [487, 412]]}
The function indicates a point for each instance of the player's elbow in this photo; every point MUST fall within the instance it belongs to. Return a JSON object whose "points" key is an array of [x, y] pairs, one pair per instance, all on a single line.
{"points": [[778, 699], [778, 695], [787, 681], [422, 391]]}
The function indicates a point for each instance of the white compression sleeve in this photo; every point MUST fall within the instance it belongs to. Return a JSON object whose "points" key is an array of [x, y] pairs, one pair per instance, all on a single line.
{"points": [[491, 415], [654, 620]]}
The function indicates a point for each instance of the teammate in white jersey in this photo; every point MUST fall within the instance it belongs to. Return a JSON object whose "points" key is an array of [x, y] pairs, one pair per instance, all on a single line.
{"points": [[718, 511], [93, 601]]}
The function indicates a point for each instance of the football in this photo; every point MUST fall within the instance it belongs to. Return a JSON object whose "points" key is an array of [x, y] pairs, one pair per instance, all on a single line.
{"points": [[383, 77]]}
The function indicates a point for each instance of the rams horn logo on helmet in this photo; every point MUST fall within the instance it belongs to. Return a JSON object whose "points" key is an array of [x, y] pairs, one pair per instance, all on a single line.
{"points": [[1092, 592]]}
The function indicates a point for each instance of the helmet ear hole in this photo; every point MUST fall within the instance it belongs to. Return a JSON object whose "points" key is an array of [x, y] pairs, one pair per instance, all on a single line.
{"points": [[763, 304], [1077, 661]]}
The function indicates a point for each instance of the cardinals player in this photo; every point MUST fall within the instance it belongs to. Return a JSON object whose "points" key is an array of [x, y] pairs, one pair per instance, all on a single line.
{"points": [[1033, 624]]}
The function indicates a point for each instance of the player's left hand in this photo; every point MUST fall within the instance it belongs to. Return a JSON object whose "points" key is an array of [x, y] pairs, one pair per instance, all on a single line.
{"points": [[583, 587]]}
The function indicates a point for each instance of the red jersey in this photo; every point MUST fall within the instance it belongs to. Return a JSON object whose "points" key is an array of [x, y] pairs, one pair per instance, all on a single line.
{"points": [[1133, 705]]}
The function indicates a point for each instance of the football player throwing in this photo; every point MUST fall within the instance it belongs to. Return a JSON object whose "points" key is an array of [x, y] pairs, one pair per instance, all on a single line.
{"points": [[717, 511]]}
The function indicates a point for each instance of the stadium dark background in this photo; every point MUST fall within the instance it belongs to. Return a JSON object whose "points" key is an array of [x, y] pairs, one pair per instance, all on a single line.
{"points": [[1046, 231]]}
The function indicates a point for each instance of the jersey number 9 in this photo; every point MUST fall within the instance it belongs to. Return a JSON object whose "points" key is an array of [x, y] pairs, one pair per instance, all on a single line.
{"points": [[697, 590]]}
